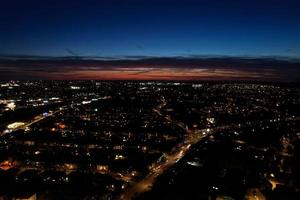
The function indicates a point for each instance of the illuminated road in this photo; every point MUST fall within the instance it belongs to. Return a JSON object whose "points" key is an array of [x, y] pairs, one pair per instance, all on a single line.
{"points": [[192, 137], [159, 167], [40, 118], [178, 152], [37, 119]]}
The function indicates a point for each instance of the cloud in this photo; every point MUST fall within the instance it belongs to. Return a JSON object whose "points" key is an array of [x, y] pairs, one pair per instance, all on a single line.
{"points": [[139, 67], [72, 53]]}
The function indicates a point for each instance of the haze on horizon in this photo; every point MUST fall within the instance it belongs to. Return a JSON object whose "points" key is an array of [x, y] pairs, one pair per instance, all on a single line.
{"points": [[150, 40]]}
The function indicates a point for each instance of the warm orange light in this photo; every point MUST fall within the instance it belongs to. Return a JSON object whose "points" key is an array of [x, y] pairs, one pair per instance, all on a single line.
{"points": [[6, 165], [69, 166], [62, 126], [102, 168]]}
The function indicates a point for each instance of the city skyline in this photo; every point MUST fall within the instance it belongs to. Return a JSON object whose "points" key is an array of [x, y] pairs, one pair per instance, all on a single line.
{"points": [[145, 140], [149, 99]]}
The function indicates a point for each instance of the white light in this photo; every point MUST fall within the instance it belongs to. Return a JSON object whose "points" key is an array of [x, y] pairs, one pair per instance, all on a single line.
{"points": [[215, 188], [11, 105], [75, 87], [15, 125]]}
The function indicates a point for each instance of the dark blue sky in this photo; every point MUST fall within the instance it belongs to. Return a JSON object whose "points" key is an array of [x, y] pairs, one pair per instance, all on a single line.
{"points": [[150, 28]]}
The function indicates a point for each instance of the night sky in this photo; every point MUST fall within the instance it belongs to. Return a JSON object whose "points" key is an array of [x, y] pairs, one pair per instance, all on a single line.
{"points": [[49, 39]]}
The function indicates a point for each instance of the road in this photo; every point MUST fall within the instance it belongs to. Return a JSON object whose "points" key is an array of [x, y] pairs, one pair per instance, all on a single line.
{"points": [[177, 153], [37, 119], [159, 168], [40, 118]]}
